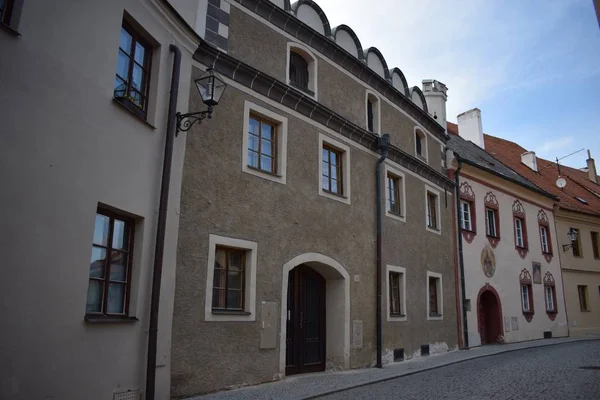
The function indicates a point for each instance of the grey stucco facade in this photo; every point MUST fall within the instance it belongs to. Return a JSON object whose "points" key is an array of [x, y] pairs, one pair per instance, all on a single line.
{"points": [[292, 221]]}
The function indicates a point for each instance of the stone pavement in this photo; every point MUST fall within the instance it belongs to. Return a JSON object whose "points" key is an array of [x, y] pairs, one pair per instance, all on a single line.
{"points": [[309, 386]]}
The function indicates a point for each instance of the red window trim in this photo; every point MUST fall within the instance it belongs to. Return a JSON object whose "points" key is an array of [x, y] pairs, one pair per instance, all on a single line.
{"points": [[549, 282], [468, 195], [491, 202], [525, 280], [519, 213], [543, 221]]}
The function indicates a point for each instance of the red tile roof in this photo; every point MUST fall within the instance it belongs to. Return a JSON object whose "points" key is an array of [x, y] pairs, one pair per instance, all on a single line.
{"points": [[578, 183]]}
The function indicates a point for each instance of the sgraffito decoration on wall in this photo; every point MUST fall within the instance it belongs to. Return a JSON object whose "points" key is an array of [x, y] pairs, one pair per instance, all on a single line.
{"points": [[488, 261], [537, 272]]}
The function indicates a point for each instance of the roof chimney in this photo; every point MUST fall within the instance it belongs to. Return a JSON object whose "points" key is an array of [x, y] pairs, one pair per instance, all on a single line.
{"points": [[591, 168], [470, 128], [528, 158], [435, 95]]}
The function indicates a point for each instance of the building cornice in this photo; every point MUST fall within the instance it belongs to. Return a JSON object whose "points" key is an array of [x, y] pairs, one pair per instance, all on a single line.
{"points": [[279, 92], [328, 48]]}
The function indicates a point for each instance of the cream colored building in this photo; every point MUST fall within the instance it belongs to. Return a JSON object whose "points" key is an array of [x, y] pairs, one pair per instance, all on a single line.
{"points": [[80, 148]]}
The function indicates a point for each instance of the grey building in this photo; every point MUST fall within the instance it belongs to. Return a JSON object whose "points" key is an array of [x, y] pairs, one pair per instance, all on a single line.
{"points": [[277, 253]]}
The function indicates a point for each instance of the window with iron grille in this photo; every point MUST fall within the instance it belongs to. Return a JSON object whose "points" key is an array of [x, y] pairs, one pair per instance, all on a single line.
{"points": [[228, 279], [262, 145], [132, 79], [394, 205], [299, 72], [110, 265]]}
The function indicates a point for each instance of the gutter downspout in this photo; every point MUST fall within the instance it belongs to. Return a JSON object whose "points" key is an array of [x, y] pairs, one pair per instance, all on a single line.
{"points": [[460, 256], [384, 147], [161, 227]]}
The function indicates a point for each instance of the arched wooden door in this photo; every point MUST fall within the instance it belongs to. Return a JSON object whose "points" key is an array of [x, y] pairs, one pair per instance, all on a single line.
{"points": [[489, 317], [305, 340]]}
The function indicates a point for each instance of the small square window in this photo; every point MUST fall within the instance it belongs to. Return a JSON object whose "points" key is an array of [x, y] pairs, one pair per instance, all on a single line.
{"points": [[110, 265], [434, 295], [334, 169]]}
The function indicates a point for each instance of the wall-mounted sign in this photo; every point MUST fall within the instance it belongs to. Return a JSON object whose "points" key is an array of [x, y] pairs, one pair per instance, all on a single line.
{"points": [[488, 261]]}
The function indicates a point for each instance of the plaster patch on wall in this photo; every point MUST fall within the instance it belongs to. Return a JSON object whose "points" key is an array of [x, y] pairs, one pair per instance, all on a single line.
{"points": [[439, 347], [388, 356]]}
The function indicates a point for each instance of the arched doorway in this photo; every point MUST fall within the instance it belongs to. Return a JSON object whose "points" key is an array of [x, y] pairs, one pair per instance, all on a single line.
{"points": [[315, 315], [489, 315]]}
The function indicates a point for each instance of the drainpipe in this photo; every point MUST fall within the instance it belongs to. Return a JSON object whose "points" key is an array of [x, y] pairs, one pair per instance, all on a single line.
{"points": [[460, 256], [384, 147], [161, 228]]}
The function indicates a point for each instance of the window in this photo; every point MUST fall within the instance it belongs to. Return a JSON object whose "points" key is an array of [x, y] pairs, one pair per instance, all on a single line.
{"points": [[465, 215], [133, 71], [262, 139], [545, 236], [583, 297], [334, 169], [420, 144], [432, 210], [110, 266], [520, 232], [549, 292], [396, 287], [230, 280], [526, 297], [264, 151], [10, 13], [544, 239], [491, 222], [394, 205], [373, 113], [595, 245], [434, 294], [576, 244], [302, 69]]}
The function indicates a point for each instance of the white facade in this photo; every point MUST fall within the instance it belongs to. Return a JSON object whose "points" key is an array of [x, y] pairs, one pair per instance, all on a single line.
{"points": [[65, 147], [504, 279]]}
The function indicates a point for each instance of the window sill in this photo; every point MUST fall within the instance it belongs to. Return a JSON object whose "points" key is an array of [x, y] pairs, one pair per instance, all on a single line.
{"points": [[397, 315], [435, 317], [230, 312], [334, 196], [398, 217], [262, 171], [109, 319], [585, 310], [434, 230], [9, 29], [467, 231], [123, 105], [492, 237], [306, 91], [528, 312]]}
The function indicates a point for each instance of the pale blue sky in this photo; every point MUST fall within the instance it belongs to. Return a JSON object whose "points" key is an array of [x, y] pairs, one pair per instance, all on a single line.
{"points": [[532, 67]]}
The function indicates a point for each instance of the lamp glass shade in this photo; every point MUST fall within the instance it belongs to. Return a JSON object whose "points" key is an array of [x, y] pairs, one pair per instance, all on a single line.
{"points": [[572, 235], [211, 87]]}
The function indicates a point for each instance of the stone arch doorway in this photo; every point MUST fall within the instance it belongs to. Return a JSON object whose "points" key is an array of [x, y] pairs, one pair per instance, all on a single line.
{"points": [[489, 315], [315, 315]]}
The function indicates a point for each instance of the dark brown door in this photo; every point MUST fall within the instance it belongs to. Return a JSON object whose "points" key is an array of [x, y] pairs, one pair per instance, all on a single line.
{"points": [[305, 341], [489, 319]]}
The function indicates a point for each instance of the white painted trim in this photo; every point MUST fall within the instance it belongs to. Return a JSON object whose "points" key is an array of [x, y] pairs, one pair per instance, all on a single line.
{"points": [[347, 73], [440, 297], [425, 155], [403, 206], [281, 141], [313, 66], [346, 162], [402, 270], [250, 278], [319, 126], [429, 189], [376, 113], [330, 262]]}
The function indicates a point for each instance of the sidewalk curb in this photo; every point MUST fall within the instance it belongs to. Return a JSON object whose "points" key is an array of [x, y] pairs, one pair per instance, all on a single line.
{"points": [[408, 373]]}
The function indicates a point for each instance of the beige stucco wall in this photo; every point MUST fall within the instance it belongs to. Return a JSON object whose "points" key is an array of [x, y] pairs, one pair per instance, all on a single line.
{"points": [[65, 146], [584, 270], [509, 263]]}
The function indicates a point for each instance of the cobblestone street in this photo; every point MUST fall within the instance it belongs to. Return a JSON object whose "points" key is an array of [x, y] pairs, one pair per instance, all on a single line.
{"points": [[553, 372]]}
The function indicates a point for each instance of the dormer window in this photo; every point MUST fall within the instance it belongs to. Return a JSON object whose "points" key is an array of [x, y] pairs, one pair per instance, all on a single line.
{"points": [[301, 70]]}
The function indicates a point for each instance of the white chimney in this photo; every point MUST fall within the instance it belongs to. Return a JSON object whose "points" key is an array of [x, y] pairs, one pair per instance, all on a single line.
{"points": [[528, 158], [591, 168], [470, 128], [435, 95]]}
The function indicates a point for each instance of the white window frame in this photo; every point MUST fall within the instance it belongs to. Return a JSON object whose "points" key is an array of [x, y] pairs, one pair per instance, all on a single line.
{"points": [[394, 171], [376, 112], [281, 142], [519, 238], [525, 300], [440, 296], [250, 278], [424, 151], [488, 223], [463, 221], [312, 67], [345, 150], [401, 270], [544, 239], [549, 299], [429, 189]]}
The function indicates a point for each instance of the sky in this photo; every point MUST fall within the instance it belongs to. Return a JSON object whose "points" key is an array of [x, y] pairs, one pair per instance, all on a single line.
{"points": [[532, 67]]}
